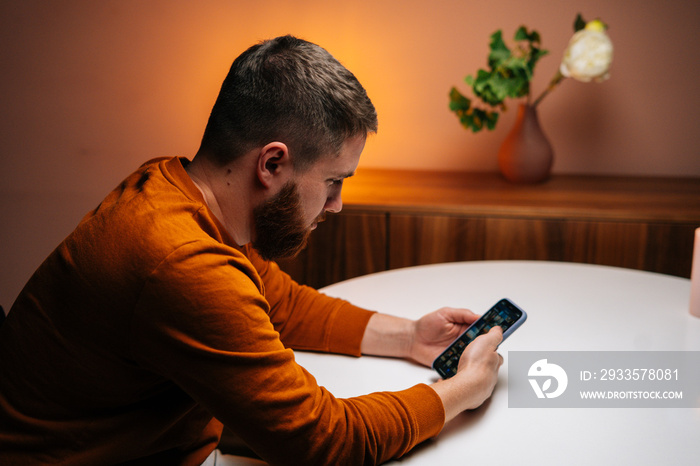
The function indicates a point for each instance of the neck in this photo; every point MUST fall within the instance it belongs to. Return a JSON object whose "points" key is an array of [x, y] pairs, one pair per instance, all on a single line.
{"points": [[224, 195]]}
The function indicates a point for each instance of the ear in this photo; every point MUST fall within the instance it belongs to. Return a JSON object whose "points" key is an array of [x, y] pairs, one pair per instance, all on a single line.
{"points": [[274, 165]]}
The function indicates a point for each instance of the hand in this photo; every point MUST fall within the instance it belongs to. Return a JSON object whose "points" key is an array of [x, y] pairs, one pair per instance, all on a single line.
{"points": [[480, 362], [435, 331], [476, 376]]}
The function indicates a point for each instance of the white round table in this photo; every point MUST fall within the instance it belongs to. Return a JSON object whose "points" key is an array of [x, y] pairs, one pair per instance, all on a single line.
{"points": [[571, 307]]}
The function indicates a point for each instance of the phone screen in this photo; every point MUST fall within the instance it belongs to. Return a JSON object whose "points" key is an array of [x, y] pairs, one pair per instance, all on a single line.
{"points": [[504, 313]]}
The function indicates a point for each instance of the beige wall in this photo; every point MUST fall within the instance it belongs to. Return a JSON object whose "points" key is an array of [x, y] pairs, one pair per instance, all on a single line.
{"points": [[91, 89]]}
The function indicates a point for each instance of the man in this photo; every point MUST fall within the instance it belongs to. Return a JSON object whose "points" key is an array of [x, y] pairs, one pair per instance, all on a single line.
{"points": [[163, 316]]}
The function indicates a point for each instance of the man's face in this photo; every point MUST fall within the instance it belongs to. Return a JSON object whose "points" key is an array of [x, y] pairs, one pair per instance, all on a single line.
{"points": [[284, 221]]}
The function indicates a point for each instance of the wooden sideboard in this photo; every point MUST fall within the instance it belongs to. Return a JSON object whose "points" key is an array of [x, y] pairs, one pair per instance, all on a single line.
{"points": [[397, 218]]}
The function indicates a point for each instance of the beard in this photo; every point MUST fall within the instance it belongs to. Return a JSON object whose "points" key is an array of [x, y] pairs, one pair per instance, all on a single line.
{"points": [[280, 231]]}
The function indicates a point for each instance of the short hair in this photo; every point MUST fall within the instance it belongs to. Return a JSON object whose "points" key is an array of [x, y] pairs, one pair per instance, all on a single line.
{"points": [[289, 90]]}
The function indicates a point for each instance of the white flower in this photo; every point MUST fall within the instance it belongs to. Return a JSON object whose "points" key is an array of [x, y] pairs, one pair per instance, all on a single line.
{"points": [[589, 54]]}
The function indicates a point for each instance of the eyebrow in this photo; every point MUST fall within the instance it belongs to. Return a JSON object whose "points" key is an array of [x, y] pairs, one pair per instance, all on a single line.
{"points": [[343, 176]]}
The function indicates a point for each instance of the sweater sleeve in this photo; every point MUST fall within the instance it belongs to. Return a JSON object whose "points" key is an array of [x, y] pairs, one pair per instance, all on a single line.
{"points": [[307, 319], [202, 323]]}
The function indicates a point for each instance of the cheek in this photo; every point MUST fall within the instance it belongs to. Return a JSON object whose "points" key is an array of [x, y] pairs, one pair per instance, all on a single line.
{"points": [[319, 206], [313, 203]]}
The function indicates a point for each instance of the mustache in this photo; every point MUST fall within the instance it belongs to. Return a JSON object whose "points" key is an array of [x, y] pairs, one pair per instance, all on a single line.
{"points": [[321, 217]]}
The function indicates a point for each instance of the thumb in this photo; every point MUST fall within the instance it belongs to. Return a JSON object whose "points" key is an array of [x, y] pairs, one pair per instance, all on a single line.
{"points": [[494, 336], [459, 315]]}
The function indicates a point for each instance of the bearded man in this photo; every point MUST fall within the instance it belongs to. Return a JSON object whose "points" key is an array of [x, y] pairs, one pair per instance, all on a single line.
{"points": [[163, 316]]}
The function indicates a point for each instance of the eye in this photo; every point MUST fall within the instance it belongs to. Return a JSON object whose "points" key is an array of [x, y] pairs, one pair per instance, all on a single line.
{"points": [[335, 182]]}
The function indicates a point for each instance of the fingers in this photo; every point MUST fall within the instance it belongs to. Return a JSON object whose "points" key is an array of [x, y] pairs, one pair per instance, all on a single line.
{"points": [[495, 335], [458, 315], [481, 362], [484, 347]]}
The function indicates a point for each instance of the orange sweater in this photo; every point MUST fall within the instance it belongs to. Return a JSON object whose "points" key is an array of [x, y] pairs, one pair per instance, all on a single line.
{"points": [[148, 325]]}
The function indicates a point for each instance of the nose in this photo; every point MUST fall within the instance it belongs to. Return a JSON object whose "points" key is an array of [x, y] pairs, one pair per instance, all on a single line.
{"points": [[334, 203]]}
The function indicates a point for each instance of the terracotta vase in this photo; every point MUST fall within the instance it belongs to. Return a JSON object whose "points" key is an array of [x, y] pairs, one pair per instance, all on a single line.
{"points": [[526, 155]]}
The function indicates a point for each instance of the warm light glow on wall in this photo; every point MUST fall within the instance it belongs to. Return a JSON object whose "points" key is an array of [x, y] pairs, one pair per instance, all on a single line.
{"points": [[92, 89], [99, 87]]}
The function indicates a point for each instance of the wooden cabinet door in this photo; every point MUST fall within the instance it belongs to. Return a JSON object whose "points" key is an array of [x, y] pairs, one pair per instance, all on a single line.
{"points": [[432, 239], [427, 239]]}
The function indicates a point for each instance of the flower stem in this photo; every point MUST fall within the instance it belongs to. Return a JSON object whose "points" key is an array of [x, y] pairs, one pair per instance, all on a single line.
{"points": [[558, 77]]}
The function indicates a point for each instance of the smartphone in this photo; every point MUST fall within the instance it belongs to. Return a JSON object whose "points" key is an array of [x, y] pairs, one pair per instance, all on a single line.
{"points": [[504, 313]]}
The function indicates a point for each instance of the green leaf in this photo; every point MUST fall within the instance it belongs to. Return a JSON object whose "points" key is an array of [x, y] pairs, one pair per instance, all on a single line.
{"points": [[484, 87], [491, 120], [481, 118], [458, 102], [579, 23], [535, 55], [504, 86], [499, 49], [523, 34], [470, 117]]}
